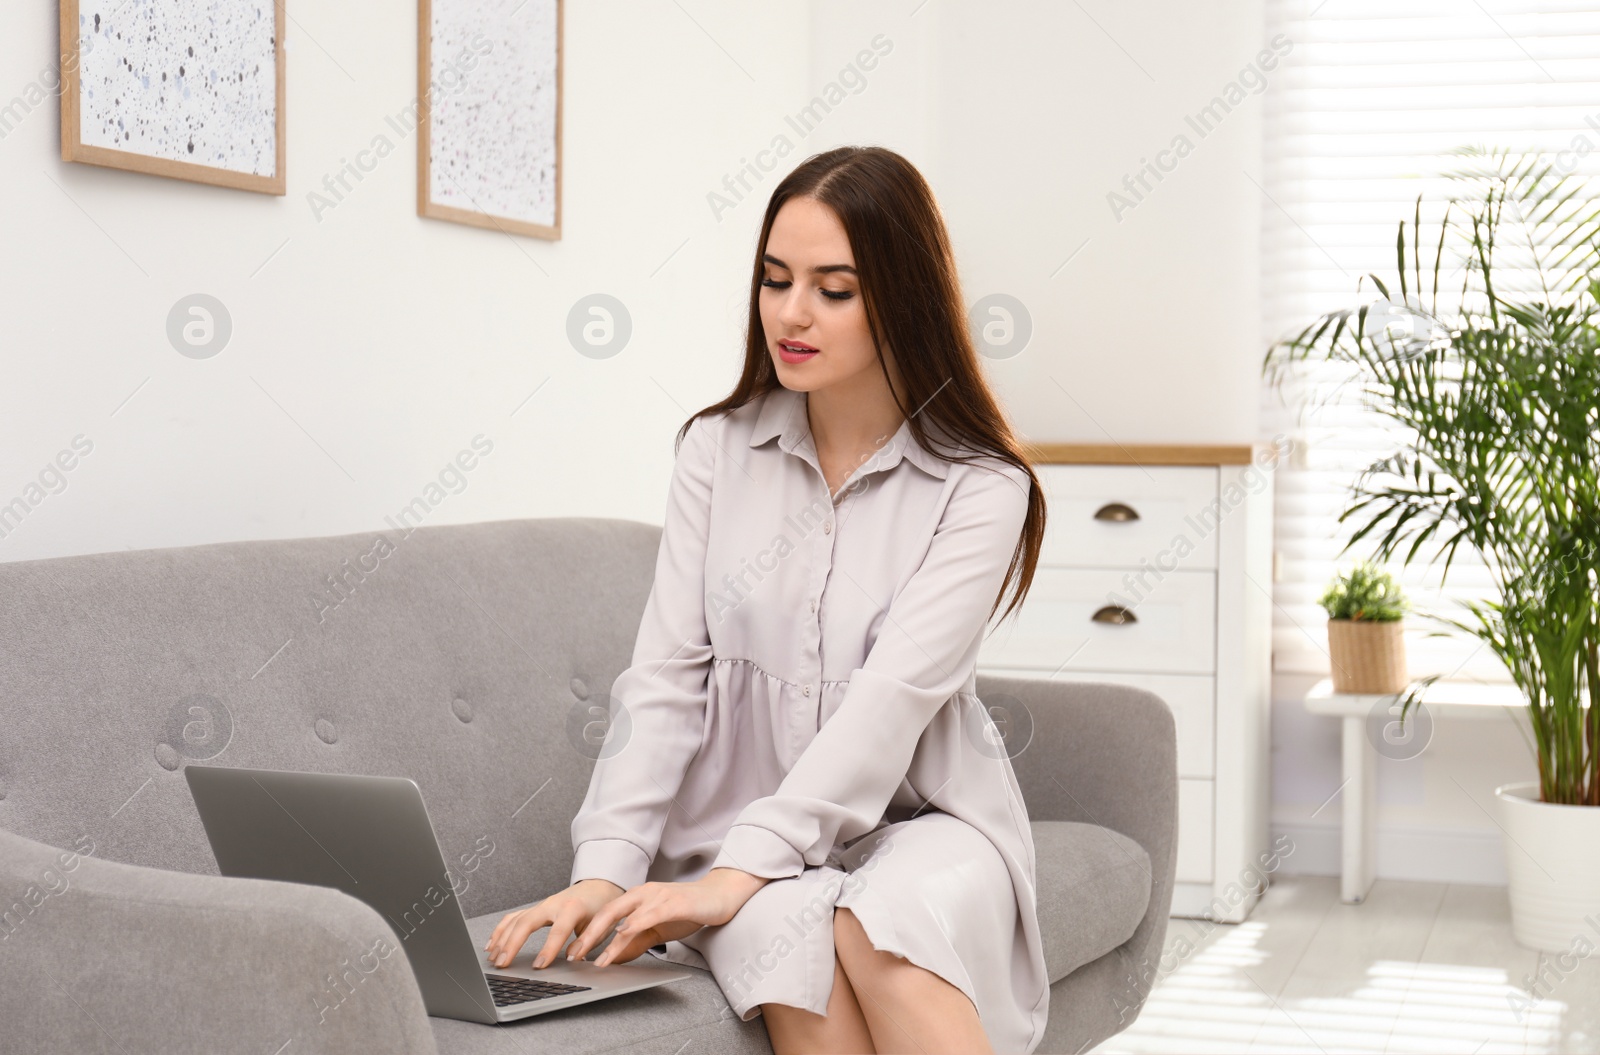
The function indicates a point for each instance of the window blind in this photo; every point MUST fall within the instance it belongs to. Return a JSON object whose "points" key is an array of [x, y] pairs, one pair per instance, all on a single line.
{"points": [[1358, 122]]}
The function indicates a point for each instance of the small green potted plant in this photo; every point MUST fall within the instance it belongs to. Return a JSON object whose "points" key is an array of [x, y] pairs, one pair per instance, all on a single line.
{"points": [[1366, 623]]}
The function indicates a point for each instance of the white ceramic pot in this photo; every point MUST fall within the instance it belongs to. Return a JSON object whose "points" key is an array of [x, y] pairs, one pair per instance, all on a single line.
{"points": [[1553, 863]]}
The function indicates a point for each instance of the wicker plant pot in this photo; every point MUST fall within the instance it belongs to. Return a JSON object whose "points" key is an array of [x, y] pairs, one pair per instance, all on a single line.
{"points": [[1367, 657]]}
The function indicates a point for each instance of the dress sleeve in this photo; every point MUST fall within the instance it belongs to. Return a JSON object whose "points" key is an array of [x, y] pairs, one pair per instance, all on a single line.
{"points": [[924, 653], [617, 830]]}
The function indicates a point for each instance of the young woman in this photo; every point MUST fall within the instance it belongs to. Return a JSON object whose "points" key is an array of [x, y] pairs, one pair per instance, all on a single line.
{"points": [[802, 792]]}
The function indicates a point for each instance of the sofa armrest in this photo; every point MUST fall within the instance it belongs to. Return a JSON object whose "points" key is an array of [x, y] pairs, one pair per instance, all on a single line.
{"points": [[1101, 754], [100, 956]]}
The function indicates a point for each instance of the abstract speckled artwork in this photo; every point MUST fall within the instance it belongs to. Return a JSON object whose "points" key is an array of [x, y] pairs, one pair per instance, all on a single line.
{"points": [[193, 81], [493, 132]]}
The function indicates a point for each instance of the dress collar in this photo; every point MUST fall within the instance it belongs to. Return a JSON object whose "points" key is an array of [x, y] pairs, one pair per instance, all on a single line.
{"points": [[783, 414]]}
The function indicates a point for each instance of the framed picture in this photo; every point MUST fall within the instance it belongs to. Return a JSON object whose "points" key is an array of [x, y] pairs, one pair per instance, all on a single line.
{"points": [[489, 110], [191, 89]]}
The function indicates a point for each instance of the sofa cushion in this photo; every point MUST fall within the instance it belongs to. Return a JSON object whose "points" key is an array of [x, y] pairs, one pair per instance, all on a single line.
{"points": [[1094, 889]]}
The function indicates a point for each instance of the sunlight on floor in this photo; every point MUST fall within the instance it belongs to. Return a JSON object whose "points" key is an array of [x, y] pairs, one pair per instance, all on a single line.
{"points": [[1216, 1001]]}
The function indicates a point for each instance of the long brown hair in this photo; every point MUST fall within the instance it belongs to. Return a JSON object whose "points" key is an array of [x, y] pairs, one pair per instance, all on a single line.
{"points": [[914, 306]]}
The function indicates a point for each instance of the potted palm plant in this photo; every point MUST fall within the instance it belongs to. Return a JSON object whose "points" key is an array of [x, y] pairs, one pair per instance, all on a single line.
{"points": [[1366, 622], [1494, 384]]}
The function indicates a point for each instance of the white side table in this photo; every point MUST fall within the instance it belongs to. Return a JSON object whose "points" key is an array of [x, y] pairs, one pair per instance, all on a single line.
{"points": [[1360, 755]]}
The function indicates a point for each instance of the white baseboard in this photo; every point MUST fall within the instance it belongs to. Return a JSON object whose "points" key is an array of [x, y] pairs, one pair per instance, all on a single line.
{"points": [[1439, 855]]}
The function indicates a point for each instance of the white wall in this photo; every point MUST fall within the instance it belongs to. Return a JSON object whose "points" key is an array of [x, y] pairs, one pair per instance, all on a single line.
{"points": [[1032, 115], [371, 345]]}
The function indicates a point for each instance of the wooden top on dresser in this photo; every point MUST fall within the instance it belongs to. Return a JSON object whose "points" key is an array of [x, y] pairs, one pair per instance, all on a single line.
{"points": [[1138, 453]]}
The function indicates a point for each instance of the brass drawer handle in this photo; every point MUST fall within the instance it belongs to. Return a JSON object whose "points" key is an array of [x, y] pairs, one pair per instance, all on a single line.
{"points": [[1116, 511], [1114, 613]]}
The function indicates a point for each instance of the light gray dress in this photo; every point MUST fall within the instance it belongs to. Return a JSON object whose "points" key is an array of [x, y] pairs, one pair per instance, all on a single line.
{"points": [[801, 705]]}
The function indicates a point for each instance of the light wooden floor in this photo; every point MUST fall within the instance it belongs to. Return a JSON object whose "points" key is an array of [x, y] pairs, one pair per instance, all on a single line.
{"points": [[1418, 967]]}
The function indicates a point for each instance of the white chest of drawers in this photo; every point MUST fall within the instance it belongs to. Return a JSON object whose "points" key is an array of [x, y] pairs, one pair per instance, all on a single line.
{"points": [[1156, 572]]}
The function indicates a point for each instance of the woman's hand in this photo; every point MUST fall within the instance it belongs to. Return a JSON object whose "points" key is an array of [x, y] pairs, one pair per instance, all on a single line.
{"points": [[564, 912], [661, 912]]}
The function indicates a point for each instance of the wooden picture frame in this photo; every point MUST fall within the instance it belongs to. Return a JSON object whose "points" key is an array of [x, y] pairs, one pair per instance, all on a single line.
{"points": [[74, 146], [478, 210]]}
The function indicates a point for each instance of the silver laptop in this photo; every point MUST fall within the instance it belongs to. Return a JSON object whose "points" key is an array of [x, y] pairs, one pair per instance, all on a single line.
{"points": [[371, 838]]}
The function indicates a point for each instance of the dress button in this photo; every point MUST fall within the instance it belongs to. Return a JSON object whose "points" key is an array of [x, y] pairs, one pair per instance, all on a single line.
{"points": [[827, 526], [805, 690], [813, 606]]}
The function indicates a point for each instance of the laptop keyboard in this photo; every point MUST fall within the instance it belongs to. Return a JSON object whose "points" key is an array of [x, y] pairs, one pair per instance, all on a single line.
{"points": [[508, 990]]}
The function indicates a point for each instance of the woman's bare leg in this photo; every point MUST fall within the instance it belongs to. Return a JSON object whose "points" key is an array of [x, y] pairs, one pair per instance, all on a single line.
{"points": [[842, 1031], [908, 1008]]}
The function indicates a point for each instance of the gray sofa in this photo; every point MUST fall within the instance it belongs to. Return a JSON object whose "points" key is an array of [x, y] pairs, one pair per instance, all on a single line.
{"points": [[464, 657]]}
